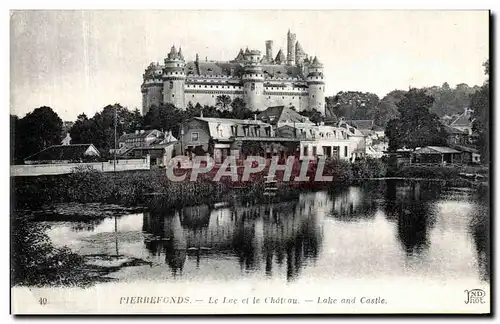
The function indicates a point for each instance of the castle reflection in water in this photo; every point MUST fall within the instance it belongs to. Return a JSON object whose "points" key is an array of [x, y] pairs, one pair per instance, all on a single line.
{"points": [[286, 232], [290, 233]]}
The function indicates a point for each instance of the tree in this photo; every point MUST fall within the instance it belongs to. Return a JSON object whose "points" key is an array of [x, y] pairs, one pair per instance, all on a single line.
{"points": [[352, 104], [386, 108], [38, 130], [100, 129], [416, 125], [240, 110], [222, 102], [313, 115], [82, 131], [480, 104]]}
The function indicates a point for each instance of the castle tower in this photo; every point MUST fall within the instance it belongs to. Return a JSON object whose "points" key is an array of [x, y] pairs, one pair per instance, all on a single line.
{"points": [[269, 51], [316, 84], [253, 80], [290, 56], [174, 79], [152, 87]]}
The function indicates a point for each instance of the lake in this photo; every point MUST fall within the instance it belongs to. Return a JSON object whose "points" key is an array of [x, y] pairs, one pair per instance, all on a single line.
{"points": [[416, 231]]}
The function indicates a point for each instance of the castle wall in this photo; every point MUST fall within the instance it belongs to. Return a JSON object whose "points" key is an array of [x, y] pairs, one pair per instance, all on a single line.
{"points": [[154, 96], [206, 93]]}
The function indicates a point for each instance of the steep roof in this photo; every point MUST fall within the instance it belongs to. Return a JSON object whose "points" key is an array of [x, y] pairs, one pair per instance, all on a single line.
{"points": [[466, 149], [128, 136], [282, 114], [452, 130], [280, 57], [463, 120], [224, 128], [70, 152], [362, 124]]}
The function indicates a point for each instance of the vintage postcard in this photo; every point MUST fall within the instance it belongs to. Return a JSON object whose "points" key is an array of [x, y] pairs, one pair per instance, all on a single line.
{"points": [[250, 162]]}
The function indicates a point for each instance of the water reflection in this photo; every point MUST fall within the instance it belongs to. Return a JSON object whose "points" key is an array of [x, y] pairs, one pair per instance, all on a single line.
{"points": [[257, 235], [400, 228], [409, 206]]}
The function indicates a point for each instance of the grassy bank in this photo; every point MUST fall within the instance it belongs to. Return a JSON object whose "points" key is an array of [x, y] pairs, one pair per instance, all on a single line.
{"points": [[135, 187]]}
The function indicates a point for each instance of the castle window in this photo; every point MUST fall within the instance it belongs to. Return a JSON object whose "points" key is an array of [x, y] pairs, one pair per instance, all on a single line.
{"points": [[211, 86], [217, 87], [193, 96], [293, 97], [313, 96], [173, 95], [171, 84], [205, 85], [282, 97]]}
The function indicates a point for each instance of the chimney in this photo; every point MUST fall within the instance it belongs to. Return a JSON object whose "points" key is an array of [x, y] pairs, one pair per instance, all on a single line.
{"points": [[254, 116], [201, 113], [136, 131], [269, 50]]}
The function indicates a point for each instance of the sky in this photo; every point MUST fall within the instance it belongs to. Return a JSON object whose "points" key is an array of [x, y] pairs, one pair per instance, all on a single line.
{"points": [[80, 61]]}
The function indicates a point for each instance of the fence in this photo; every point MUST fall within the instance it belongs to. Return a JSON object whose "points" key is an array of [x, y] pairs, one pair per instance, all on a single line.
{"points": [[65, 168]]}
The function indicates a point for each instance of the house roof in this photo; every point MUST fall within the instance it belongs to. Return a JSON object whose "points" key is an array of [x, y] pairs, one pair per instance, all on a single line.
{"points": [[463, 120], [282, 114], [128, 136], [222, 128], [453, 130], [230, 121], [62, 153], [466, 149], [236, 69], [362, 124], [436, 150]]}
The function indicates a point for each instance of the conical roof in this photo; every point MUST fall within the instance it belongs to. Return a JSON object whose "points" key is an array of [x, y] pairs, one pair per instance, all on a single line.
{"points": [[280, 57], [298, 48], [316, 62], [240, 56]]}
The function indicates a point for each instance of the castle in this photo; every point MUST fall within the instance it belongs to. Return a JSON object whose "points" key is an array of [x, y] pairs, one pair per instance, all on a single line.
{"points": [[261, 81]]}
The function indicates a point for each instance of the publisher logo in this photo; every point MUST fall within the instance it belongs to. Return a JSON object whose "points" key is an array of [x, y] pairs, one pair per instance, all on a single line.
{"points": [[474, 296]]}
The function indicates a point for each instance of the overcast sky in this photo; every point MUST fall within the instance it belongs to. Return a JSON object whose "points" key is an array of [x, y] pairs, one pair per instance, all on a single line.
{"points": [[76, 61]]}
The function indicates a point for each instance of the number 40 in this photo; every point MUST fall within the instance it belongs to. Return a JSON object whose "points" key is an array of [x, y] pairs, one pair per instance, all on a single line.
{"points": [[42, 301]]}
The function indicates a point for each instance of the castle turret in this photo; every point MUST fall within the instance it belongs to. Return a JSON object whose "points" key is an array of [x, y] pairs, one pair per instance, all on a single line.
{"points": [[152, 87], [316, 84], [253, 80], [290, 56], [174, 78]]}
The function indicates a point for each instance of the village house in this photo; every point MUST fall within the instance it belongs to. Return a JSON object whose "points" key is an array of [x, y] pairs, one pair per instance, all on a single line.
{"points": [[277, 131], [71, 153], [140, 138], [217, 137], [158, 145], [463, 122]]}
